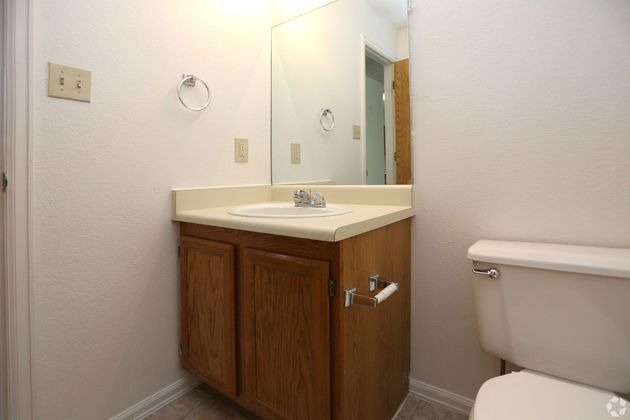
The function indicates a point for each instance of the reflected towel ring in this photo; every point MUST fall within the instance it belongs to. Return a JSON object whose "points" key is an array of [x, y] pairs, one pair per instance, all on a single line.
{"points": [[327, 119], [191, 80]]}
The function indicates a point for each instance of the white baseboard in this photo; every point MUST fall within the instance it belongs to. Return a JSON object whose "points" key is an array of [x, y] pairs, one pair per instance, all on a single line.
{"points": [[439, 396], [154, 402], [419, 389]]}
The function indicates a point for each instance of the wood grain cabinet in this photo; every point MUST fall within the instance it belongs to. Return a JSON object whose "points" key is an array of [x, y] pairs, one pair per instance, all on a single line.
{"points": [[208, 341], [264, 321]]}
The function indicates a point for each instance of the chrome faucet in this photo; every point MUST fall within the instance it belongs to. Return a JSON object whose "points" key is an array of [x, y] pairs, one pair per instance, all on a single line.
{"points": [[303, 198]]}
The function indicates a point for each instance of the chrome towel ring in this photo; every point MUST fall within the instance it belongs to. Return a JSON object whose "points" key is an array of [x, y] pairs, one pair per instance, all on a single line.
{"points": [[327, 119], [191, 81]]}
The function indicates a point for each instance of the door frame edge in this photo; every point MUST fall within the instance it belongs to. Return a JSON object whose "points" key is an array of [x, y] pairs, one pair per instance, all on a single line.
{"points": [[18, 74]]}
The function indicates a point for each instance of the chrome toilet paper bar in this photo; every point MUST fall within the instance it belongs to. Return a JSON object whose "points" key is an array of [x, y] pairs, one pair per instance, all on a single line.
{"points": [[374, 281]]}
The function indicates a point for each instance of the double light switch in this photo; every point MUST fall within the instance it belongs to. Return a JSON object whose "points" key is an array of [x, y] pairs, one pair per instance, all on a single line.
{"points": [[69, 82]]}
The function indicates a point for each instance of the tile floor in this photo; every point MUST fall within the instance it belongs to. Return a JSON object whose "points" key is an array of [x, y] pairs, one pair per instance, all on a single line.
{"points": [[203, 403], [416, 409]]}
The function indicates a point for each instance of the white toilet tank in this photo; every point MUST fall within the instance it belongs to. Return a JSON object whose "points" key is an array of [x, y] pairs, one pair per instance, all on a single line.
{"points": [[558, 309]]}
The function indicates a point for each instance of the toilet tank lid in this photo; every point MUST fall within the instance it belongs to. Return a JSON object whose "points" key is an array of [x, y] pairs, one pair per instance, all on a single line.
{"points": [[613, 262]]}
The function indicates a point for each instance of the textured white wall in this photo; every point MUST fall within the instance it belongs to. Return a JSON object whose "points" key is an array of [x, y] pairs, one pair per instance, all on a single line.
{"points": [[105, 294], [521, 124]]}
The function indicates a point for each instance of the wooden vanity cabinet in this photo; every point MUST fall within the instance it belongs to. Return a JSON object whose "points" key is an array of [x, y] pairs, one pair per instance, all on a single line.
{"points": [[264, 322], [208, 340]]}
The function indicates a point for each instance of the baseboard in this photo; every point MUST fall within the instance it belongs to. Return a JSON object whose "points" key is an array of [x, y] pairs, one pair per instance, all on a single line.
{"points": [[419, 389], [154, 402], [439, 396]]}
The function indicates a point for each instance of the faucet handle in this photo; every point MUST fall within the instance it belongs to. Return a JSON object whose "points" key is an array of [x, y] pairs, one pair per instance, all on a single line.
{"points": [[300, 196], [318, 199]]}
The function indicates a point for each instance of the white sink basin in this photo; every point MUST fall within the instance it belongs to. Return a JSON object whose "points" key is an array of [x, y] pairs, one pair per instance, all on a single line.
{"points": [[287, 210]]}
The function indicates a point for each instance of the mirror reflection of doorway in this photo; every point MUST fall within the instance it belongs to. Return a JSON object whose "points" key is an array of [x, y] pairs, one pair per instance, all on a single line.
{"points": [[375, 129], [388, 127]]}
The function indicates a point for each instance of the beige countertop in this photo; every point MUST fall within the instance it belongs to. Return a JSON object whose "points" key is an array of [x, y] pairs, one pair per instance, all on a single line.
{"points": [[372, 207]]}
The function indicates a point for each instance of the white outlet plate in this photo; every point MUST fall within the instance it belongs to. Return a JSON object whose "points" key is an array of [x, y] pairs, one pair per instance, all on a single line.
{"points": [[296, 153], [241, 150], [69, 82], [356, 132]]}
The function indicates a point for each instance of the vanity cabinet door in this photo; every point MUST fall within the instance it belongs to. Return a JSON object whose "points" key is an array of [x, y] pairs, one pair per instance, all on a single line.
{"points": [[285, 335], [208, 313]]}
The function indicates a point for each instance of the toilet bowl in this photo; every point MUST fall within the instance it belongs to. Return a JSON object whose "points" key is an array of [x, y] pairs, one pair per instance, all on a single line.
{"points": [[562, 312]]}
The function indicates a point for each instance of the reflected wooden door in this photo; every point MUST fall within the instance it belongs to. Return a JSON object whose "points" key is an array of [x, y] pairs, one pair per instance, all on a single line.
{"points": [[403, 122]]}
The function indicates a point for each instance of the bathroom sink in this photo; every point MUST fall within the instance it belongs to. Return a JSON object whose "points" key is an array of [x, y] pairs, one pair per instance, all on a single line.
{"points": [[287, 210]]}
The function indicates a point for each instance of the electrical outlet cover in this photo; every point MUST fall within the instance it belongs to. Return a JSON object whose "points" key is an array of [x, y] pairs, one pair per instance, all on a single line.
{"points": [[241, 150]]}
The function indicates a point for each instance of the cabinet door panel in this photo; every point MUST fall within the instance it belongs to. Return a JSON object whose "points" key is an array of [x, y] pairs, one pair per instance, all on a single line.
{"points": [[286, 335], [207, 305]]}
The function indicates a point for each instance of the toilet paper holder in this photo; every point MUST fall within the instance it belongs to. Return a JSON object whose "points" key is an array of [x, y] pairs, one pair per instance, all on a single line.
{"points": [[374, 281]]}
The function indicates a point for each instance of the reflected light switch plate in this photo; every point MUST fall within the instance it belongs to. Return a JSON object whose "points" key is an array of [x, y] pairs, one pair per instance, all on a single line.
{"points": [[356, 132], [241, 150], [69, 83], [296, 153]]}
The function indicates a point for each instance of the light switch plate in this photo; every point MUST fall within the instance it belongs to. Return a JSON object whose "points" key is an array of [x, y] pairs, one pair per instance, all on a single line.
{"points": [[69, 83], [296, 153], [356, 132], [241, 150]]}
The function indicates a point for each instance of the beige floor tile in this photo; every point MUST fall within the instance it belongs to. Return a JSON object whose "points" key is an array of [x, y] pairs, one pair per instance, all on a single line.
{"points": [[204, 403], [201, 403], [416, 409]]}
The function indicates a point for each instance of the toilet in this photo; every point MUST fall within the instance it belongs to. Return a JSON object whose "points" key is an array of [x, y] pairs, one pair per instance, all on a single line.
{"points": [[561, 312]]}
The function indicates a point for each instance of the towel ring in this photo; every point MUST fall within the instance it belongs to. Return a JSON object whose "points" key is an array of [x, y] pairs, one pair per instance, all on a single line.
{"points": [[327, 119], [191, 80]]}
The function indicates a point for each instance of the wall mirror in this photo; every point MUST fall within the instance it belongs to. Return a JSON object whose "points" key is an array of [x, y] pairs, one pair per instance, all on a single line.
{"points": [[340, 92]]}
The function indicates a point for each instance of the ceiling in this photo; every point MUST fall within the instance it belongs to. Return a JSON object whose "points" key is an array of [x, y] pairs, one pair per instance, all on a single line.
{"points": [[394, 10]]}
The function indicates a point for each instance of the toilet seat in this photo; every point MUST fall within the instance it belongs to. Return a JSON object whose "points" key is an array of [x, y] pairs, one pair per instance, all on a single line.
{"points": [[529, 395]]}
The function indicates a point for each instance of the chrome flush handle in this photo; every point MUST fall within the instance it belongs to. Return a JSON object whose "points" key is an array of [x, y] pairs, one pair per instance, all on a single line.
{"points": [[493, 272]]}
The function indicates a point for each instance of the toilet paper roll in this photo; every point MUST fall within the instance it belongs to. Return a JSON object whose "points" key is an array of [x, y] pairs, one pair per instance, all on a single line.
{"points": [[386, 292]]}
